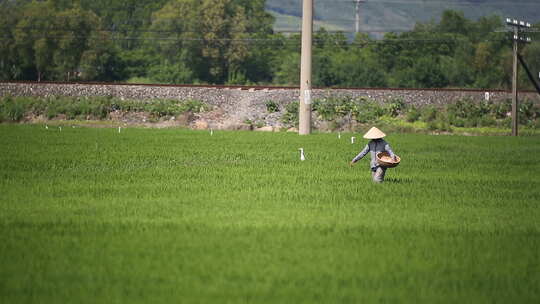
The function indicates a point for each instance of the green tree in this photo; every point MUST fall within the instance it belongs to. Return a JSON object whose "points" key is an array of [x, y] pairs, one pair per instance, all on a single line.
{"points": [[9, 57], [35, 39], [213, 37], [101, 61], [288, 71], [454, 22], [74, 30]]}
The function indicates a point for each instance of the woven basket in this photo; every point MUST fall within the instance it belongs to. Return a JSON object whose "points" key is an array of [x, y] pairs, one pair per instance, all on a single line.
{"points": [[385, 160]]}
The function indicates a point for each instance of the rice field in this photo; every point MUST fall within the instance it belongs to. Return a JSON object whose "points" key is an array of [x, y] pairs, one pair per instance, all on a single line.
{"points": [[91, 215]]}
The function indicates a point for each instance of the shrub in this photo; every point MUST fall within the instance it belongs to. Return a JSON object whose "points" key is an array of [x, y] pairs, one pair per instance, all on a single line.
{"points": [[367, 110], [486, 121], [271, 106], [412, 115], [501, 108], [394, 107], [290, 117], [429, 114], [439, 124], [469, 111], [12, 109], [331, 108]]}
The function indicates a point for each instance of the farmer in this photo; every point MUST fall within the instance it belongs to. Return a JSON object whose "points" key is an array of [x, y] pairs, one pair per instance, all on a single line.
{"points": [[375, 145]]}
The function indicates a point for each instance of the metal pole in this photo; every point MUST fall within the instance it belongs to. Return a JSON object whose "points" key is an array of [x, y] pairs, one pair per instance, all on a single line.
{"points": [[305, 69], [514, 86]]}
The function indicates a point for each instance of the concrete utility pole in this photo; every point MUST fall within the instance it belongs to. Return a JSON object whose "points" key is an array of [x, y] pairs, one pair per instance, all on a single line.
{"points": [[517, 38], [358, 14], [305, 69], [514, 86]]}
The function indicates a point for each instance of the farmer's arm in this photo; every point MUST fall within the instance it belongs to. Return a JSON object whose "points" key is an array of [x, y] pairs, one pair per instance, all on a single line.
{"points": [[361, 154], [389, 150]]}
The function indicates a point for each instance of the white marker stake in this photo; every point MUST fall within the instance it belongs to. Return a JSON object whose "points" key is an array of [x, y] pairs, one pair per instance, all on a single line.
{"points": [[339, 135], [352, 139], [211, 132], [119, 129], [302, 156], [60, 128]]}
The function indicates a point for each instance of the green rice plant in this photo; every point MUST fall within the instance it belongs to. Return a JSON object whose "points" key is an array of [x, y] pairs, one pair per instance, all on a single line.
{"points": [[146, 215]]}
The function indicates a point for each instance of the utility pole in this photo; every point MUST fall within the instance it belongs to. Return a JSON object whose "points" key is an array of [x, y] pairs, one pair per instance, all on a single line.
{"points": [[517, 38], [358, 15], [304, 116], [514, 85]]}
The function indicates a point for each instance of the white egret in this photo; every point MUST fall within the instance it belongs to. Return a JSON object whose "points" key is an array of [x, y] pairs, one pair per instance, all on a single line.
{"points": [[302, 156]]}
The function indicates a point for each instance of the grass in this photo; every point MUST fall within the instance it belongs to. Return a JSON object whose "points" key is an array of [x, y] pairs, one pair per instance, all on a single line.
{"points": [[88, 215]]}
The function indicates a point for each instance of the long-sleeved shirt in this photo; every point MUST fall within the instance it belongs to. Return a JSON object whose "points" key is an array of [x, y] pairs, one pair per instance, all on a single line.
{"points": [[374, 146]]}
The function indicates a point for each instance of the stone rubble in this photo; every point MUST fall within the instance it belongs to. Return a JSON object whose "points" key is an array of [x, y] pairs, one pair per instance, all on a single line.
{"points": [[240, 109]]}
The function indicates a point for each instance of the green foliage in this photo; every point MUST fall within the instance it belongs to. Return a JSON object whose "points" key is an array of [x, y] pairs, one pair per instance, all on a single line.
{"points": [[171, 73], [272, 106], [394, 107], [429, 113], [332, 108], [362, 110], [413, 114], [14, 109], [11, 109], [232, 42], [290, 117]]}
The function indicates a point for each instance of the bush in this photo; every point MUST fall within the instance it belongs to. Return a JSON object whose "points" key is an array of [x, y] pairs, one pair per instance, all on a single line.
{"points": [[395, 107], [468, 113], [332, 108], [271, 106], [429, 114], [439, 124], [500, 109], [486, 121], [412, 115], [290, 117], [96, 107], [366, 110], [12, 109]]}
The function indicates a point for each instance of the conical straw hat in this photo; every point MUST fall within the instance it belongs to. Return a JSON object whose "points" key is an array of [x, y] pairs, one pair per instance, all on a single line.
{"points": [[374, 133]]}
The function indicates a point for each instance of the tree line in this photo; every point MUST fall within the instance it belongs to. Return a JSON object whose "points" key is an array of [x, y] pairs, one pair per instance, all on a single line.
{"points": [[232, 42]]}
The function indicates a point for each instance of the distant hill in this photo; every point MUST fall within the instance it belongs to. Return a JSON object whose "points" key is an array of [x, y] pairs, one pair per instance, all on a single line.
{"points": [[378, 16]]}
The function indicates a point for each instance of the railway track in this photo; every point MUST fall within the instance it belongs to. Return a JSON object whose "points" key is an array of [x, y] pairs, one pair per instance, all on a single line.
{"points": [[259, 87]]}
